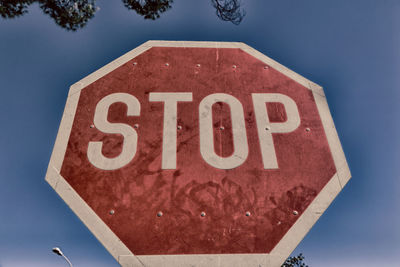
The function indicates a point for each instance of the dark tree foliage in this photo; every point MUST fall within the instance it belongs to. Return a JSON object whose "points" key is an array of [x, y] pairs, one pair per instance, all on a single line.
{"points": [[75, 14], [229, 10], [69, 14], [14, 8], [149, 9], [295, 261]]}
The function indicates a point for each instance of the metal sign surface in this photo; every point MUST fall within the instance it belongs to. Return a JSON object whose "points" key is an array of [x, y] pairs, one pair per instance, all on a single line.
{"points": [[200, 153]]}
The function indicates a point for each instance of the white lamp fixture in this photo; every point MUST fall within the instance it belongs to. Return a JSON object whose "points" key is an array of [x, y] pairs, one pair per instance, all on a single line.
{"points": [[58, 251]]}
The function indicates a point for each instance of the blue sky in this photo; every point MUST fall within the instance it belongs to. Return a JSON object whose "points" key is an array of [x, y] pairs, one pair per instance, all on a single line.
{"points": [[351, 48]]}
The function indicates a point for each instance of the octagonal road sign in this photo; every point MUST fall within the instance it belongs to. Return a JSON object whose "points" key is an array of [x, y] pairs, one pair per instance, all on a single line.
{"points": [[197, 154]]}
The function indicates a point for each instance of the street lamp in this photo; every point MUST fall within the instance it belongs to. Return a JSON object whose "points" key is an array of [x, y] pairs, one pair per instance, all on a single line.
{"points": [[58, 251]]}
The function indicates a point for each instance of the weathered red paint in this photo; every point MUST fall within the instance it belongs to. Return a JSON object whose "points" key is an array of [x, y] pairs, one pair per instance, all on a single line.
{"points": [[139, 190]]}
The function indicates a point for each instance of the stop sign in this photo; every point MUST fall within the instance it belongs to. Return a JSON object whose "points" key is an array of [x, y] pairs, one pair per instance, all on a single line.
{"points": [[197, 154]]}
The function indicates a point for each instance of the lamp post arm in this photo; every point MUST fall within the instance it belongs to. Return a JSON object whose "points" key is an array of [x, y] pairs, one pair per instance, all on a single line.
{"points": [[65, 257]]}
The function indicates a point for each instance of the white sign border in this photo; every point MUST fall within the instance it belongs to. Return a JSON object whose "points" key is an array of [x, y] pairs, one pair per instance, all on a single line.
{"points": [[115, 246]]}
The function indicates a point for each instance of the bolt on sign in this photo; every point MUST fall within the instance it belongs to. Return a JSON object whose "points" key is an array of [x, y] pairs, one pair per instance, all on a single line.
{"points": [[197, 154]]}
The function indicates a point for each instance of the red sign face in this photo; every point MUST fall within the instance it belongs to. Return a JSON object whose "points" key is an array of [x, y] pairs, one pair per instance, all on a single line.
{"points": [[198, 150]]}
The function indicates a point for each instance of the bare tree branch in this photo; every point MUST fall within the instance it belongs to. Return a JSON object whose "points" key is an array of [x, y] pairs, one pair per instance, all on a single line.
{"points": [[229, 10]]}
